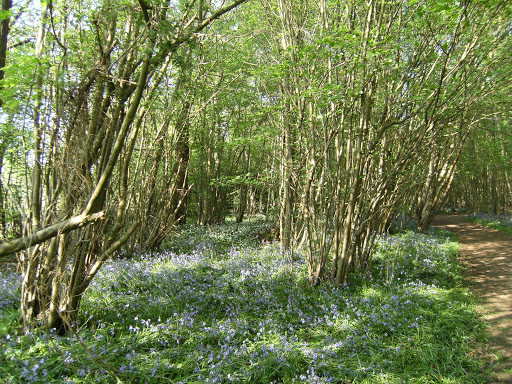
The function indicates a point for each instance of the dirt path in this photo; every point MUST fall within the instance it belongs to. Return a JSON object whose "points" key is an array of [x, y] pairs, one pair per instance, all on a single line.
{"points": [[486, 255]]}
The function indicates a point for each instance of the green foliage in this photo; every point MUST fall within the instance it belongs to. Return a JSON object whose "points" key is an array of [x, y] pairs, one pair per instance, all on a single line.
{"points": [[212, 305], [247, 180], [498, 222], [5, 14], [250, 315], [411, 257], [217, 239], [18, 76]]}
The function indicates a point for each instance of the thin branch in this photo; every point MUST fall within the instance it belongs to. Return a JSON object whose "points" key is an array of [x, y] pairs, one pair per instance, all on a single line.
{"points": [[64, 48], [218, 13], [23, 42]]}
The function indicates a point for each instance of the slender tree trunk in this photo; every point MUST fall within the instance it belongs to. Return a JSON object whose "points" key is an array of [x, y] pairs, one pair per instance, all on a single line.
{"points": [[3, 221], [182, 157], [5, 27], [243, 189], [287, 93]]}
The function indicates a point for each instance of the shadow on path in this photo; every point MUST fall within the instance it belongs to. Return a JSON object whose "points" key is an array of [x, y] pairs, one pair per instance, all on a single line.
{"points": [[486, 256]]}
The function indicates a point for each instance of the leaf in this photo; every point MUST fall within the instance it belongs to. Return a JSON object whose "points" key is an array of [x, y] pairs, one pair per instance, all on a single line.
{"points": [[4, 14]]}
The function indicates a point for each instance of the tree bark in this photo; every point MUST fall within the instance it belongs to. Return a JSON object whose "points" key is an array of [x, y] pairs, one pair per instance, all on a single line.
{"points": [[5, 27], [48, 233]]}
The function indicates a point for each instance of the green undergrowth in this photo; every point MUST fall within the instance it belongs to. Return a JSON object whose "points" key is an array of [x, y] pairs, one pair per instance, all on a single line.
{"points": [[248, 315], [216, 240], [498, 222]]}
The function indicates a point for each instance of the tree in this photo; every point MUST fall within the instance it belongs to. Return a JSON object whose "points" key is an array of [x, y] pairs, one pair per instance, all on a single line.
{"points": [[87, 112], [5, 26], [330, 116], [476, 49], [364, 99]]}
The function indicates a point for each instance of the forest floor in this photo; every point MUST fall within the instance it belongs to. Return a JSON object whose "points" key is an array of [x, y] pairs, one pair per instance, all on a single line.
{"points": [[486, 255]]}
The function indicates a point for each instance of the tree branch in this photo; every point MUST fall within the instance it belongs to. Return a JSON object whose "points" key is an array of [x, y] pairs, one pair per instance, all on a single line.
{"points": [[218, 13], [23, 42], [108, 253], [47, 233], [145, 10], [187, 33]]}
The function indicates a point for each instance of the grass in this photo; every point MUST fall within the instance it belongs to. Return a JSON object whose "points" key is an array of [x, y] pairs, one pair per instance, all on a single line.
{"points": [[247, 314], [498, 222]]}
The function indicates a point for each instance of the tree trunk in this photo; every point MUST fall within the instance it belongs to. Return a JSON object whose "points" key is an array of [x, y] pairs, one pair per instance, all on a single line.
{"points": [[5, 26], [180, 170]]}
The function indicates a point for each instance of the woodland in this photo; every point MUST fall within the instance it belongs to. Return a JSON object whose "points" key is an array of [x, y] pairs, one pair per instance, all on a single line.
{"points": [[334, 121]]}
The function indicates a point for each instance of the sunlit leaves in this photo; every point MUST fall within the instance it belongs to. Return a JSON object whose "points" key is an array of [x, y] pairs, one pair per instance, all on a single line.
{"points": [[5, 14]]}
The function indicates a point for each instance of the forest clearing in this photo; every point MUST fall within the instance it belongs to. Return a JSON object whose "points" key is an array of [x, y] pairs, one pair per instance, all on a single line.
{"points": [[244, 190]]}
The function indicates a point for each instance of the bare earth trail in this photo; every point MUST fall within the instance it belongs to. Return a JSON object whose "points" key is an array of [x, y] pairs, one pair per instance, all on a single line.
{"points": [[486, 256]]}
